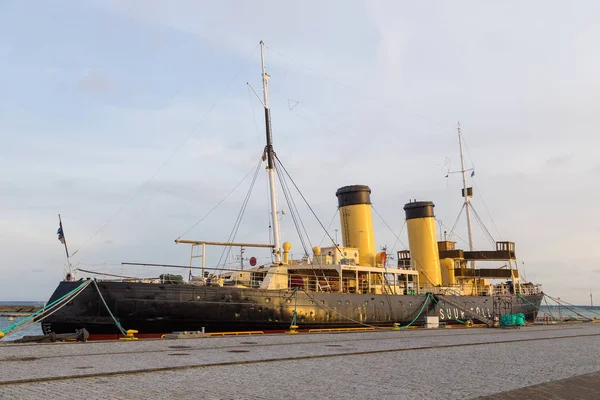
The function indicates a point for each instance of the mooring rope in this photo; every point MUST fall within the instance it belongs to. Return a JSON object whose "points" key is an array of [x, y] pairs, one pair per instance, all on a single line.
{"points": [[419, 314], [60, 303], [335, 311], [117, 323], [451, 316], [562, 303], [362, 323], [523, 297]]}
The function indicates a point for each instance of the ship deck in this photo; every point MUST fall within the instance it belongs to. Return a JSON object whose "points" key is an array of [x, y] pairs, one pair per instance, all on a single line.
{"points": [[412, 363]]}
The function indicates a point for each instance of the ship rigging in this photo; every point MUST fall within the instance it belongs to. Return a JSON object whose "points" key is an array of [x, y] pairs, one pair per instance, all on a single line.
{"points": [[337, 286]]}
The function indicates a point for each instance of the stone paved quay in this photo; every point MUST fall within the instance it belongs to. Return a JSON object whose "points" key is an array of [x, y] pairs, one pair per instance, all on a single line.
{"points": [[407, 364]]}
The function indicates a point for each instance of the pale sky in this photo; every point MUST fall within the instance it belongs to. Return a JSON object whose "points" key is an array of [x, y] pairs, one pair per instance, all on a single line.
{"points": [[138, 113]]}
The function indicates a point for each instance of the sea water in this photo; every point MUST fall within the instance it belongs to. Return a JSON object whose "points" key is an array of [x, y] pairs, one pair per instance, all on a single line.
{"points": [[569, 312], [35, 329]]}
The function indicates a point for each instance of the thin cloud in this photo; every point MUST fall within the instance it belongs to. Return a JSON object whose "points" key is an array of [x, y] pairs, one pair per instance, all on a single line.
{"points": [[380, 88], [560, 160], [96, 82]]}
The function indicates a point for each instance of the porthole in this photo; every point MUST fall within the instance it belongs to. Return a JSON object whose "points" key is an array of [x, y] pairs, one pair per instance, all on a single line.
{"points": [[410, 303], [267, 300], [311, 302], [348, 302], [366, 303], [288, 301], [355, 254], [345, 254], [339, 302], [198, 297], [322, 301], [382, 303]]}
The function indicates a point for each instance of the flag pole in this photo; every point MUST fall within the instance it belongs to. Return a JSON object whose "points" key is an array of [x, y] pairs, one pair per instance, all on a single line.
{"points": [[64, 241]]}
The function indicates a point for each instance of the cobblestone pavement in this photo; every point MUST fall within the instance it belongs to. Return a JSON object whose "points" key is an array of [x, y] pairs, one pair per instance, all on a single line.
{"points": [[396, 365], [579, 387]]}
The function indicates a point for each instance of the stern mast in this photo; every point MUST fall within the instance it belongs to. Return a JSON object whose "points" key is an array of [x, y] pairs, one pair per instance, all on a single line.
{"points": [[466, 193], [269, 156]]}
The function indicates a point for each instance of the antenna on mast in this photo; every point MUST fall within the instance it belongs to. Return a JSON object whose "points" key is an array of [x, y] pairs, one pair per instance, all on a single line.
{"points": [[467, 192], [268, 154]]}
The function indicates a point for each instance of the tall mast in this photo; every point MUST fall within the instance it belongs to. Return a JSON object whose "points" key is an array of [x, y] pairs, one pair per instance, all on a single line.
{"points": [[269, 154], [466, 193]]}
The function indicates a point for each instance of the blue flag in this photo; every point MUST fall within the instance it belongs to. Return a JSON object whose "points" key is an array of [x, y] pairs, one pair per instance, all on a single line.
{"points": [[60, 233]]}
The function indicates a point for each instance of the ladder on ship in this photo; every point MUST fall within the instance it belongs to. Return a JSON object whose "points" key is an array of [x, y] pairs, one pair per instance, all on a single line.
{"points": [[502, 305], [468, 312]]}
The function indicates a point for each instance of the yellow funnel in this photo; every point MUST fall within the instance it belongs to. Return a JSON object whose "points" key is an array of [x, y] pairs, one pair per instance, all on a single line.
{"points": [[422, 240], [357, 221]]}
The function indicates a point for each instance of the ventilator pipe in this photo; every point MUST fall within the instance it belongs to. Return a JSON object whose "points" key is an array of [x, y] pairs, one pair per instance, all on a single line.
{"points": [[449, 264], [287, 246]]}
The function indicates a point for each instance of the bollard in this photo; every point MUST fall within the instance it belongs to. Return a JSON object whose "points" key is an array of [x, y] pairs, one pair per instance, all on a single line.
{"points": [[130, 335]]}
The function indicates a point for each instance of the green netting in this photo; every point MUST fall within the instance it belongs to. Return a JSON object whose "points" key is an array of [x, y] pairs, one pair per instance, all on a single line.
{"points": [[513, 320], [520, 319]]}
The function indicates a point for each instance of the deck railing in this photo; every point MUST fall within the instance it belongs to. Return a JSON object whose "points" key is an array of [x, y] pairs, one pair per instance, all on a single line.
{"points": [[316, 281]]}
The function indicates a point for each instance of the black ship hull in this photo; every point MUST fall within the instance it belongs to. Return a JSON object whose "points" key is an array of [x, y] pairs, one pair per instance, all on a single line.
{"points": [[156, 309]]}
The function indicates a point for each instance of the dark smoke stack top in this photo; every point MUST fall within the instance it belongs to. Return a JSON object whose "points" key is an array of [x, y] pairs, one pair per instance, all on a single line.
{"points": [[354, 194], [419, 209]]}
